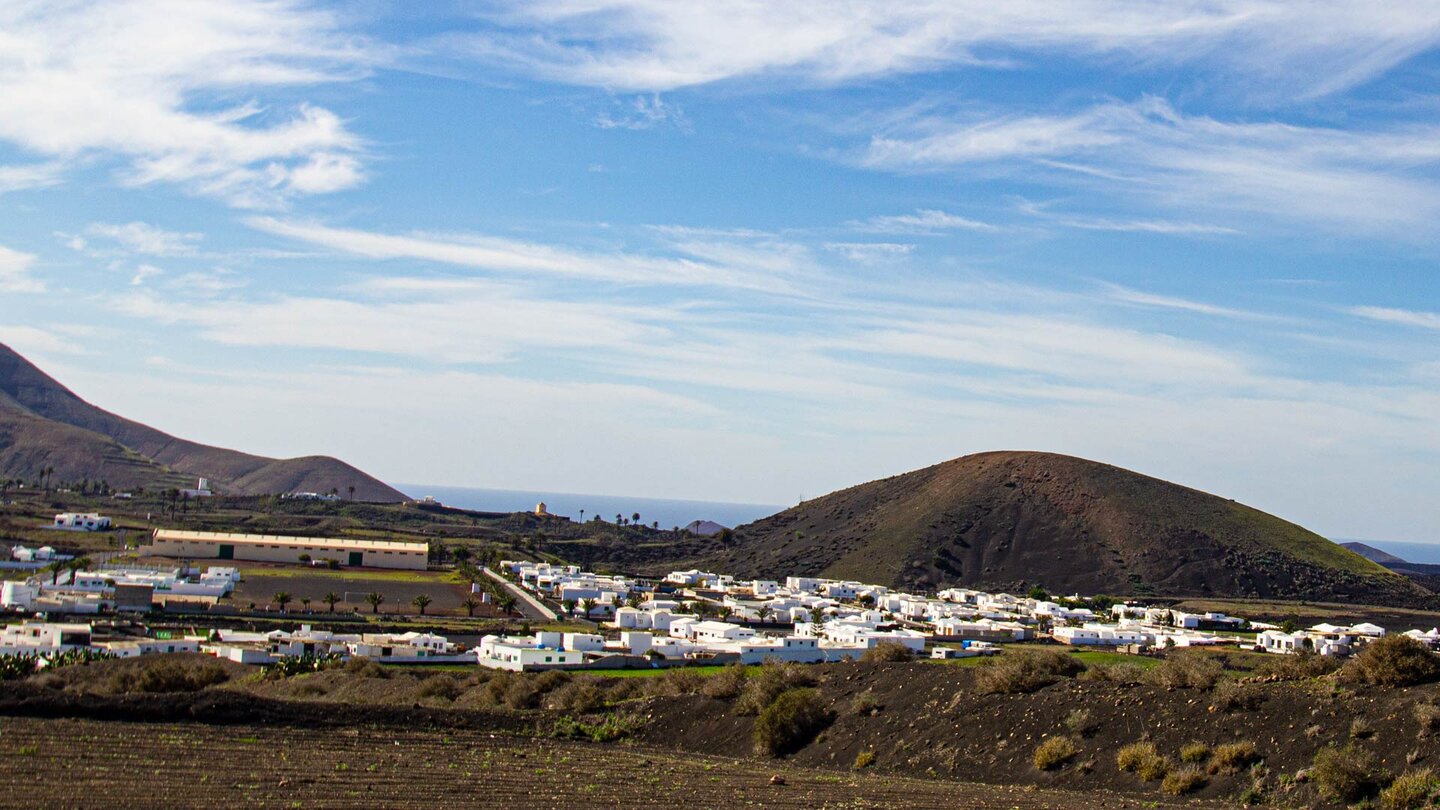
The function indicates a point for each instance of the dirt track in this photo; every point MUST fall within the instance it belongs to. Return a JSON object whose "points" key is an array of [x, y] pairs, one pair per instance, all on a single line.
{"points": [[89, 763]]}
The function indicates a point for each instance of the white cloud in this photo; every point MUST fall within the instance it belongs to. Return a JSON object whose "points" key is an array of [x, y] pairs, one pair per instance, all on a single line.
{"points": [[141, 237], [15, 272], [1403, 317], [1144, 299], [1356, 180], [923, 222], [144, 272], [30, 340], [644, 112], [147, 82], [707, 263], [659, 45], [869, 252], [28, 176]]}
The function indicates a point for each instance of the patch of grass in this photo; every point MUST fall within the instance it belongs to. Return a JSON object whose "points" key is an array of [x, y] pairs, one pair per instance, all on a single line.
{"points": [[1183, 780], [1194, 752], [1393, 661], [1349, 774], [612, 727], [1232, 757], [790, 722], [1054, 752], [1101, 658], [1411, 790], [27, 750], [1427, 715], [652, 673]]}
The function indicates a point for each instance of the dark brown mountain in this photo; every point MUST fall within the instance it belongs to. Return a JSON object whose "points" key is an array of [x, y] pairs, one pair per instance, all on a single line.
{"points": [[43, 424], [1011, 520]]}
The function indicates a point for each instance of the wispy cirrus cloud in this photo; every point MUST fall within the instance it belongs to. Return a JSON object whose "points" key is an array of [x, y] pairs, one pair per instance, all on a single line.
{"points": [[1401, 317], [654, 45], [146, 83], [1378, 180], [923, 222], [142, 237]]}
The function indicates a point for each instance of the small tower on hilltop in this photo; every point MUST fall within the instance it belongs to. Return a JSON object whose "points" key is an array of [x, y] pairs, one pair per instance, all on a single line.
{"points": [[541, 511]]}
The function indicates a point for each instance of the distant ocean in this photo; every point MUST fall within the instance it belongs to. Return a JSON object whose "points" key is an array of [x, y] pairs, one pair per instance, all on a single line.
{"points": [[1409, 552], [669, 513]]}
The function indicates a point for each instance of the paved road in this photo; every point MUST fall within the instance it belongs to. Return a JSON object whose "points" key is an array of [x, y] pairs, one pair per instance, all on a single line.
{"points": [[532, 608]]}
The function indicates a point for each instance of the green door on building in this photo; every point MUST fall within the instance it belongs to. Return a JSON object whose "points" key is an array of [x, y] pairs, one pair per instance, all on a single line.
{"points": [[227, 552], [357, 558]]}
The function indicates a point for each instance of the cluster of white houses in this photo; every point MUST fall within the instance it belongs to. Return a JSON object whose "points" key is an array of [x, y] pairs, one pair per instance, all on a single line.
{"points": [[117, 589]]}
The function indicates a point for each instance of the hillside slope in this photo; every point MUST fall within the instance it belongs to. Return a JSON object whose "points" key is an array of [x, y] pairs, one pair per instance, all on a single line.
{"points": [[37, 407], [1008, 520]]}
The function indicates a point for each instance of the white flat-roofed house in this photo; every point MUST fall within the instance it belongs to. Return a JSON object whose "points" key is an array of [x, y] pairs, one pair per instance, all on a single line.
{"points": [[81, 522], [794, 649], [39, 638], [583, 642], [133, 648], [519, 654], [1099, 635], [764, 587], [709, 632]]}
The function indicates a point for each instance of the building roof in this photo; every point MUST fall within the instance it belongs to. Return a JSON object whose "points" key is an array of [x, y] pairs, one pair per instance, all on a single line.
{"points": [[184, 536]]}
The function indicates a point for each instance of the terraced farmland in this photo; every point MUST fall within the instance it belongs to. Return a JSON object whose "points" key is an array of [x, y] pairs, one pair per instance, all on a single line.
{"points": [[87, 763]]}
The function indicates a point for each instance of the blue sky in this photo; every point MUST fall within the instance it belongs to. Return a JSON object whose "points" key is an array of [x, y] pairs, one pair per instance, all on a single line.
{"points": [[745, 251]]}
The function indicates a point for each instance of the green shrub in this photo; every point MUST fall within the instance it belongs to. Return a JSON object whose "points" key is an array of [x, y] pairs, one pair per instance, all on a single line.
{"points": [[1184, 780], [1412, 790], [1231, 757], [768, 682], [1054, 752], [1194, 752], [1079, 722], [610, 728], [1186, 672], [887, 652], [864, 759], [440, 687], [790, 722], [1025, 671], [1393, 661], [1349, 774], [866, 703]]}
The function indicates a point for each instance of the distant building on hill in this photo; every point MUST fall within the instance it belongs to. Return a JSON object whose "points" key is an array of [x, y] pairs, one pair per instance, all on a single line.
{"points": [[268, 548], [81, 522], [541, 511]]}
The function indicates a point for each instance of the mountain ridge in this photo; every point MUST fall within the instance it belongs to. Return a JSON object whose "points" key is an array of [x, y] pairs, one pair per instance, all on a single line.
{"points": [[1013, 519], [44, 424]]}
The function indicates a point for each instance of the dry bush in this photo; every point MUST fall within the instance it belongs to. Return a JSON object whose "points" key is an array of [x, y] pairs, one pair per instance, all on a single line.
{"points": [[790, 722], [769, 681], [887, 652], [1054, 752], [1299, 667], [864, 759], [1079, 722], [1027, 671], [1428, 716], [866, 703], [521, 693], [677, 681], [168, 675], [309, 689], [1127, 674], [440, 687], [1361, 729], [1232, 757], [1349, 774], [1393, 661], [727, 683], [549, 681], [1229, 696], [1411, 790], [1194, 752], [1143, 759], [1185, 672], [579, 696], [366, 668], [1184, 780]]}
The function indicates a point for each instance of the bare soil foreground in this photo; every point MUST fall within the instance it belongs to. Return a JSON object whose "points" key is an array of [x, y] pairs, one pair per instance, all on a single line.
{"points": [[90, 763]]}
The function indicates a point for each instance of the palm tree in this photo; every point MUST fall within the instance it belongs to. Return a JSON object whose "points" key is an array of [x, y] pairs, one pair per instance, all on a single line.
{"points": [[305, 601], [635, 518], [766, 612], [351, 490], [569, 606], [330, 599], [582, 515], [507, 603], [817, 615], [376, 599], [422, 601], [460, 554], [634, 600], [55, 568], [618, 519], [724, 611], [76, 566], [282, 599], [470, 604], [586, 606]]}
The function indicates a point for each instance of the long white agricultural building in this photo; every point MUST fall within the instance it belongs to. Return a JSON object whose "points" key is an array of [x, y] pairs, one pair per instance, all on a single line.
{"points": [[273, 548]]}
